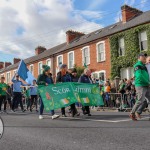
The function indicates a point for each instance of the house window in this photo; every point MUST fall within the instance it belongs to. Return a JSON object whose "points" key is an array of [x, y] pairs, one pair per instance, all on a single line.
{"points": [[48, 62], [143, 41], [100, 51], [31, 69], [102, 74], [70, 60], [95, 75], [121, 47], [99, 74], [14, 72], [59, 60], [127, 73], [40, 70], [8, 78], [86, 55]]}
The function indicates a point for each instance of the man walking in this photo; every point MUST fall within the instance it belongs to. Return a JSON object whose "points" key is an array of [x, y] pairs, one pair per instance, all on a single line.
{"points": [[3, 93], [17, 95], [142, 82]]}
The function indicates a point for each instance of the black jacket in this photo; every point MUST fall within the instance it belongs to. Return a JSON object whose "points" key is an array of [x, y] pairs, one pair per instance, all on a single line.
{"points": [[84, 79], [65, 78]]}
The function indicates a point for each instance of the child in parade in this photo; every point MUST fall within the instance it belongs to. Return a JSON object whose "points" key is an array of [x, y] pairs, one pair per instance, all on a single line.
{"points": [[45, 79]]}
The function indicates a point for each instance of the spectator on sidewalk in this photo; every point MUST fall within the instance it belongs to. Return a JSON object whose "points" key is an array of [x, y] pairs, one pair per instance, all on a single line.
{"points": [[133, 96], [107, 92]]}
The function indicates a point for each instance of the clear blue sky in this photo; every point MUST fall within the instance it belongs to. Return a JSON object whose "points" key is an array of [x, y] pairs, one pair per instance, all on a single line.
{"points": [[29, 22]]}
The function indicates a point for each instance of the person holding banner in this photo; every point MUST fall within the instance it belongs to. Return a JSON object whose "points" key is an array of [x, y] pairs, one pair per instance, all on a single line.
{"points": [[17, 92], [3, 93], [45, 79], [85, 78], [64, 76]]}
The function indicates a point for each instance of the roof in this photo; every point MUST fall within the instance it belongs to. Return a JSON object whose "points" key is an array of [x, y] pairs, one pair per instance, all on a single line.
{"points": [[98, 34]]}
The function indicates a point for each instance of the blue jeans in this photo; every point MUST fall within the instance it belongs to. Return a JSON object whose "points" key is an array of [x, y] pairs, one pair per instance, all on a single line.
{"points": [[132, 102], [42, 108]]}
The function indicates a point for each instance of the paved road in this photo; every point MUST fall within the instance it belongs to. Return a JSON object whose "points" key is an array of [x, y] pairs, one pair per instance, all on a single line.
{"points": [[102, 131]]}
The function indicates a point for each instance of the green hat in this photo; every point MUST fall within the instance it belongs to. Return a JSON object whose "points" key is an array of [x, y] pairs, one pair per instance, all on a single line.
{"points": [[45, 68]]}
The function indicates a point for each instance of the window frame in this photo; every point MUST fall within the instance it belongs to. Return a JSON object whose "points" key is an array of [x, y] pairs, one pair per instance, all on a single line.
{"points": [[141, 41], [101, 42], [14, 72], [127, 72], [38, 67], [88, 47], [98, 72], [9, 72], [47, 61], [120, 46], [72, 60], [30, 69], [57, 59]]}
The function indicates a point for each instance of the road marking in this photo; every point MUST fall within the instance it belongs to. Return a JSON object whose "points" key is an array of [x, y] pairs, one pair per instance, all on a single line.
{"points": [[109, 121]]}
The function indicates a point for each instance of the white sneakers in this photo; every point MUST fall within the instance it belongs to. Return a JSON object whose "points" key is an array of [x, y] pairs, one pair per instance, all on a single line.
{"points": [[40, 117], [53, 117]]}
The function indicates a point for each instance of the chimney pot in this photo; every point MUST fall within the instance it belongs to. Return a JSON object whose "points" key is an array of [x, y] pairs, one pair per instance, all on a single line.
{"points": [[72, 35], [16, 60], [39, 50], [129, 12]]}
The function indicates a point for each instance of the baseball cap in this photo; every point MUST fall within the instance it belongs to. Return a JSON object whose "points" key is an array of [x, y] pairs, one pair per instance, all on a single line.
{"points": [[142, 54]]}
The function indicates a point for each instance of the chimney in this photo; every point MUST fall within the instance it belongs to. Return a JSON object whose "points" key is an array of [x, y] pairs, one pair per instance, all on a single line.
{"points": [[129, 12], [16, 60], [39, 50], [1, 65], [72, 35], [6, 64]]}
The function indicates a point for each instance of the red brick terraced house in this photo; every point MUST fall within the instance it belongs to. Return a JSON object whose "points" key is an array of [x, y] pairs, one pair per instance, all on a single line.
{"points": [[94, 49]]}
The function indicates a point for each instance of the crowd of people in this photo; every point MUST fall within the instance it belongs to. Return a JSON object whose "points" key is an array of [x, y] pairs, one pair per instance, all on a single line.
{"points": [[114, 97], [26, 96]]}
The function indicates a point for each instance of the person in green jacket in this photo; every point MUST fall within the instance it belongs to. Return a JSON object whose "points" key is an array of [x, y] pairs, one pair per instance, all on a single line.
{"points": [[142, 85], [3, 93], [45, 79]]}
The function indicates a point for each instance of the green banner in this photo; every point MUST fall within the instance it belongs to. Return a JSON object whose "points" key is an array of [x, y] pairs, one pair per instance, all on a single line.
{"points": [[64, 94], [88, 94]]}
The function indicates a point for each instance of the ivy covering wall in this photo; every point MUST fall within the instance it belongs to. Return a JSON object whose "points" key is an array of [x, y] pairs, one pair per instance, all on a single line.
{"points": [[132, 48]]}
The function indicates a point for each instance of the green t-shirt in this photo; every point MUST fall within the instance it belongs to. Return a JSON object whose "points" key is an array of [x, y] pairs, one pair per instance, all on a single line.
{"points": [[27, 93], [3, 88]]}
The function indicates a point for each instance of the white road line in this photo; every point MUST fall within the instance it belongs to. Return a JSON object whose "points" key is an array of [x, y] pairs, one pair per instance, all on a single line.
{"points": [[109, 121]]}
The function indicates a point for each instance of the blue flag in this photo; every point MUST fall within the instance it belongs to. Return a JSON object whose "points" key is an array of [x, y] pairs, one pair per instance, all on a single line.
{"points": [[24, 73]]}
